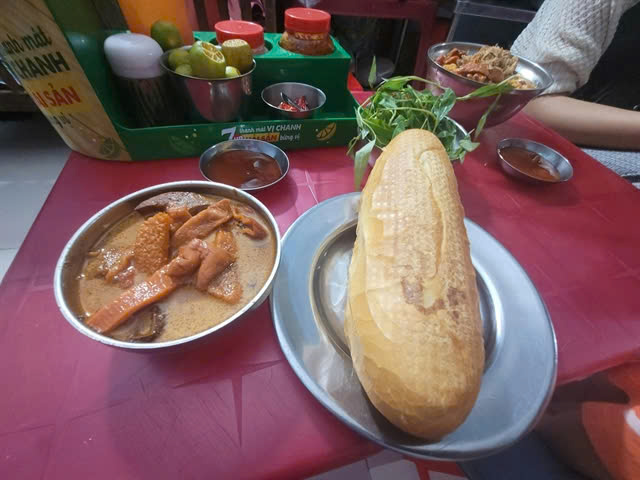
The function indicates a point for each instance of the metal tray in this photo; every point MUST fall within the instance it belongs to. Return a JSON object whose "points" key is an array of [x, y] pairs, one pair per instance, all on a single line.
{"points": [[308, 301]]}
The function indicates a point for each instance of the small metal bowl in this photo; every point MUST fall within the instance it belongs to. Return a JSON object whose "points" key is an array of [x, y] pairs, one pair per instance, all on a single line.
{"points": [[215, 100], [560, 163], [315, 98], [468, 113], [72, 259], [267, 148]]}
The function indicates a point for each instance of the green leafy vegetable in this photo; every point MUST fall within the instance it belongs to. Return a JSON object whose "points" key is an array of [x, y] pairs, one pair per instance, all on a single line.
{"points": [[485, 115], [373, 74], [396, 106]]}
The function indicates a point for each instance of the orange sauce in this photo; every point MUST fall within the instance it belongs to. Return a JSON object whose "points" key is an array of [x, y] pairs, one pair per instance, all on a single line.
{"points": [[530, 163], [243, 169]]}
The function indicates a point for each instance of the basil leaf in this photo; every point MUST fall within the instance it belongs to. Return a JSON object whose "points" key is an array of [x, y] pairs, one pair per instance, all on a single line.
{"points": [[373, 74], [483, 118], [360, 163], [467, 145]]}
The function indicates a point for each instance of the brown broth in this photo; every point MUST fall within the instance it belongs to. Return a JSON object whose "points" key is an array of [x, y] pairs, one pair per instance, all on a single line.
{"points": [[530, 163], [188, 311], [243, 169]]}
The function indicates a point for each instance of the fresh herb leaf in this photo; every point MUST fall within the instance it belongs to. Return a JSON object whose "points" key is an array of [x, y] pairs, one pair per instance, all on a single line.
{"points": [[483, 118], [468, 145], [490, 90], [361, 160], [373, 74], [396, 106]]}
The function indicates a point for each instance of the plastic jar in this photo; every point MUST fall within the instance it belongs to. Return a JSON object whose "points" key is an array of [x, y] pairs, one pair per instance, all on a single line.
{"points": [[250, 32], [307, 31]]}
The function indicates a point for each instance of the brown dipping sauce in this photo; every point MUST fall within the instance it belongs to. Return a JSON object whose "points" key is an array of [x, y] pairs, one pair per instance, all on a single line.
{"points": [[243, 169], [530, 163]]}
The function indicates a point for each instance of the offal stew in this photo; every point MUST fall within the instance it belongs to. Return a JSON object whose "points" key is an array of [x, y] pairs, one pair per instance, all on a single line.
{"points": [[177, 265]]}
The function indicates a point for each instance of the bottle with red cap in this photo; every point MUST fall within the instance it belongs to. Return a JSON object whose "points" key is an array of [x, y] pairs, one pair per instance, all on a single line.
{"points": [[307, 31], [250, 32]]}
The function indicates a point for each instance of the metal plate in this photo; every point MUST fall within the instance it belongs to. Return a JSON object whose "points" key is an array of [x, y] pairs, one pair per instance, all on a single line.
{"points": [[308, 301]]}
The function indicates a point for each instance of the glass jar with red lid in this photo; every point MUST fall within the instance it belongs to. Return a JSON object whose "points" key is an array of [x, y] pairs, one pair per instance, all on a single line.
{"points": [[250, 32], [307, 31]]}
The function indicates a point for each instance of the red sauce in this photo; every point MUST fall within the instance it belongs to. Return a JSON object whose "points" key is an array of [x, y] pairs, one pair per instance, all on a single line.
{"points": [[530, 163], [301, 102], [243, 169]]}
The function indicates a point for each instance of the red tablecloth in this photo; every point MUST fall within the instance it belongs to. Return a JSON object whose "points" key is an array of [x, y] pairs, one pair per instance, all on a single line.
{"points": [[73, 408]]}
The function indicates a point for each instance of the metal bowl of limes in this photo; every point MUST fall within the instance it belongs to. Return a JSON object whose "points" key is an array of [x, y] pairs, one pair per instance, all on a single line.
{"points": [[212, 91]]}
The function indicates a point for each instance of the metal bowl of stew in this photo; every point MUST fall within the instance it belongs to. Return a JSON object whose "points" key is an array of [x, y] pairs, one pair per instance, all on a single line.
{"points": [[245, 164], [71, 261], [533, 162], [315, 99], [468, 113]]}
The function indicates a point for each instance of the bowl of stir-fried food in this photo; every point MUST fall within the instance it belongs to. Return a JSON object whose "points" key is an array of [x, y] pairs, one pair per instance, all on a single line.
{"points": [[168, 266], [465, 67]]}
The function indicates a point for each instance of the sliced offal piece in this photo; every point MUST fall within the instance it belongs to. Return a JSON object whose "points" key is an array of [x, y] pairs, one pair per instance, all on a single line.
{"points": [[213, 264], [471, 68], [151, 250], [225, 240], [252, 227], [202, 224], [144, 326], [226, 286], [155, 288], [109, 263], [193, 202], [178, 217]]}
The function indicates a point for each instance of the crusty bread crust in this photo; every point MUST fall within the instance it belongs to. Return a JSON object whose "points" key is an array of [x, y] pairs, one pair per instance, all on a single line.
{"points": [[412, 320]]}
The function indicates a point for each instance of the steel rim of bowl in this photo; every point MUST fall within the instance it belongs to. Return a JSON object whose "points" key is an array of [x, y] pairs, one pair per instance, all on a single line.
{"points": [[321, 95], [164, 59], [474, 83], [82, 328], [211, 153], [522, 143]]}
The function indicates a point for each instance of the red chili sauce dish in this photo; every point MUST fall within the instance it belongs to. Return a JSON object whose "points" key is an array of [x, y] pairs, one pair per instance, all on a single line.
{"points": [[301, 102], [243, 169], [530, 163]]}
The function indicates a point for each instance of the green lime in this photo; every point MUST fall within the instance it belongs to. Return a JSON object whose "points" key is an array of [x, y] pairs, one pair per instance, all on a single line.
{"points": [[178, 57], [206, 60], [184, 69], [231, 72], [166, 34], [238, 54]]}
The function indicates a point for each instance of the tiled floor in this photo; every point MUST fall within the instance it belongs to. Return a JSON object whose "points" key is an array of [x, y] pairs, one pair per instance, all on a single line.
{"points": [[31, 157]]}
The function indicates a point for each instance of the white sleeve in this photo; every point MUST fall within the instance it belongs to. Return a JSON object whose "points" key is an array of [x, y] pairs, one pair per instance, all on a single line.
{"points": [[568, 37]]}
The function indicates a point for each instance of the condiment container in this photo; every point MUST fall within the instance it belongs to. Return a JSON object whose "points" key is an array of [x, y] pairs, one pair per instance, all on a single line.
{"points": [[307, 31], [135, 61], [250, 32], [514, 167]]}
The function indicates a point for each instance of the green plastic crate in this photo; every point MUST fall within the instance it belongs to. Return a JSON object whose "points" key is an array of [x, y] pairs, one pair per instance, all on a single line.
{"points": [[334, 125]]}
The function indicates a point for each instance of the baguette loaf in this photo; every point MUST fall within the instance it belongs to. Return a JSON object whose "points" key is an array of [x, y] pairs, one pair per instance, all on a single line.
{"points": [[412, 318]]}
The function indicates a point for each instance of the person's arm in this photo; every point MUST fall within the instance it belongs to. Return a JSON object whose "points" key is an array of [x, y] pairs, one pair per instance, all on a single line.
{"points": [[586, 123]]}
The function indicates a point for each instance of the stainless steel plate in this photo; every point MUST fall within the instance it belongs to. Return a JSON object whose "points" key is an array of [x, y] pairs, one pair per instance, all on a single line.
{"points": [[308, 301]]}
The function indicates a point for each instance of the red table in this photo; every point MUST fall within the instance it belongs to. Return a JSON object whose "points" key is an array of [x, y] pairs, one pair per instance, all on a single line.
{"points": [[72, 408]]}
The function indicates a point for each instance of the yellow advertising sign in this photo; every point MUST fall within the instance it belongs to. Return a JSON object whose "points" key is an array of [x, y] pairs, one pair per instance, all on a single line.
{"points": [[36, 51]]}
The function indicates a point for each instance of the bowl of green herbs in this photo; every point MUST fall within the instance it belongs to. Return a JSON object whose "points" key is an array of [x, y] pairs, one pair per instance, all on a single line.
{"points": [[397, 106]]}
